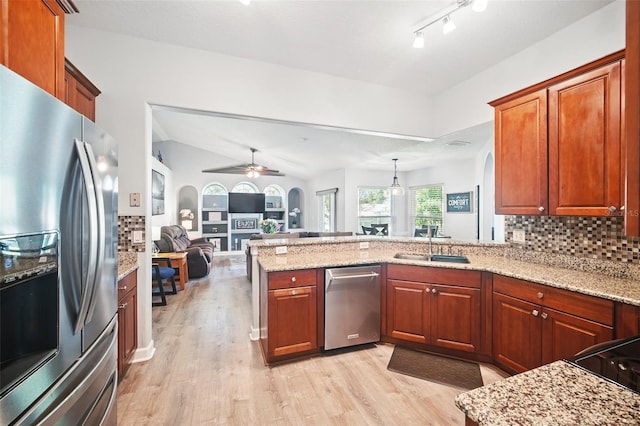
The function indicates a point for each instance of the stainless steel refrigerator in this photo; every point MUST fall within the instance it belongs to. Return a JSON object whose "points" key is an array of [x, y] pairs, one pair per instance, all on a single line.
{"points": [[58, 261]]}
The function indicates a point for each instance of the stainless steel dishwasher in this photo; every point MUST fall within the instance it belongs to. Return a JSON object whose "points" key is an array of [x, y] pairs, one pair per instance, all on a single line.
{"points": [[352, 306]]}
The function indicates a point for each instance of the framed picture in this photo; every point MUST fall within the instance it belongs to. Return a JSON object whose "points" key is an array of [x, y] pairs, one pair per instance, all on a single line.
{"points": [[460, 202], [157, 193]]}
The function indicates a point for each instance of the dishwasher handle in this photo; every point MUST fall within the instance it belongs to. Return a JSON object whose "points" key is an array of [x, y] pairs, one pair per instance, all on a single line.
{"points": [[344, 277]]}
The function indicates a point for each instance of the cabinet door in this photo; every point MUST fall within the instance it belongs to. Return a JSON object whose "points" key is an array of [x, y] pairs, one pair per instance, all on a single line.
{"points": [[585, 158], [80, 93], [521, 155], [292, 320], [564, 335], [32, 39], [456, 318], [408, 311], [517, 333]]}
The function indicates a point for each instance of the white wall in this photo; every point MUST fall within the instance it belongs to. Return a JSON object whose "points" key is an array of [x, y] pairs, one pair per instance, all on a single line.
{"points": [[593, 37]]}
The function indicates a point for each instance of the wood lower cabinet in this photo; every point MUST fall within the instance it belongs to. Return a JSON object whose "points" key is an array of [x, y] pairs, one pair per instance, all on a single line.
{"points": [[434, 306], [80, 93], [534, 324], [32, 42], [291, 313], [127, 321]]}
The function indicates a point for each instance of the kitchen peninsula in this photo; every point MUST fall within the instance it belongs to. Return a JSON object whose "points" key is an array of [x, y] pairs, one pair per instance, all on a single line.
{"points": [[591, 295]]}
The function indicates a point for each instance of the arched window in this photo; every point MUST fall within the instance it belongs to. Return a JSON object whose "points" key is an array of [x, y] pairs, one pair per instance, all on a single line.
{"points": [[274, 191], [246, 187], [214, 189]]}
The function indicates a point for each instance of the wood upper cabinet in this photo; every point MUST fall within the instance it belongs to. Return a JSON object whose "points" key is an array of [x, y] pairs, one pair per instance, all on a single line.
{"points": [[291, 313], [447, 315], [521, 155], [558, 144], [32, 42], [535, 324], [80, 92], [586, 166], [127, 321]]}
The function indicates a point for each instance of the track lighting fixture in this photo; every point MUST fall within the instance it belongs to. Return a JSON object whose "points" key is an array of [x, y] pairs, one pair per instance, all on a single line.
{"points": [[444, 16], [396, 188]]}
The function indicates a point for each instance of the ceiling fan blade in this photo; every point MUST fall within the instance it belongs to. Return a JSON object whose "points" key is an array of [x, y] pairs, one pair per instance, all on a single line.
{"points": [[240, 169]]}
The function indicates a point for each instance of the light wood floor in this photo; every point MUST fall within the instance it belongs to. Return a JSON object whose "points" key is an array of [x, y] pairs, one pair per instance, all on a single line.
{"points": [[207, 371]]}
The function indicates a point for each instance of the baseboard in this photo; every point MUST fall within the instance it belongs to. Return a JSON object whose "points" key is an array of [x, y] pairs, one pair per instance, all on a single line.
{"points": [[255, 334], [144, 354]]}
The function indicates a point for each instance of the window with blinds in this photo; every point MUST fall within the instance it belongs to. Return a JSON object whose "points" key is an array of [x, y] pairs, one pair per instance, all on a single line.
{"points": [[426, 206]]}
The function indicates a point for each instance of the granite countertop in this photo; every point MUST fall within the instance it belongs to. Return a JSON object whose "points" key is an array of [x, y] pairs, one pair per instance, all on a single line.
{"points": [[624, 290], [127, 263], [558, 393]]}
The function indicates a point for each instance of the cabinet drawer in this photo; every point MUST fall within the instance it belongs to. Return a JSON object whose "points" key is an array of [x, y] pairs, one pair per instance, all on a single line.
{"points": [[582, 305], [126, 284], [288, 279], [432, 275]]}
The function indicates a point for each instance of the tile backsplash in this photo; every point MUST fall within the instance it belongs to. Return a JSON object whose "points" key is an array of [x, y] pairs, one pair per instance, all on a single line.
{"points": [[126, 226], [590, 237]]}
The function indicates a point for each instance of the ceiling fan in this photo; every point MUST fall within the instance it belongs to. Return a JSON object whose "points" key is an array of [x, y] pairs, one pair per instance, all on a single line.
{"points": [[252, 169]]}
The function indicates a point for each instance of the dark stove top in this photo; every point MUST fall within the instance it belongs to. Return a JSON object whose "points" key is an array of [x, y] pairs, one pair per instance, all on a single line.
{"points": [[617, 361]]}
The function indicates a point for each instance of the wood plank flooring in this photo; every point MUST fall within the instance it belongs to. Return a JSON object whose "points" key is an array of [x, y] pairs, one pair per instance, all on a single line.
{"points": [[206, 371]]}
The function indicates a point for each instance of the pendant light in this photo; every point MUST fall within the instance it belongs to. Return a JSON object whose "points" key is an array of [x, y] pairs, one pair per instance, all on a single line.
{"points": [[395, 187]]}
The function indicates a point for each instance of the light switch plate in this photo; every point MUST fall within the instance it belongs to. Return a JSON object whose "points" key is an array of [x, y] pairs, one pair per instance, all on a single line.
{"points": [[519, 236], [281, 249], [138, 237], [364, 245], [134, 199]]}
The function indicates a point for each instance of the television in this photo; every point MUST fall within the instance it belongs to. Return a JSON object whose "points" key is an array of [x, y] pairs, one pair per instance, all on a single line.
{"points": [[241, 202]]}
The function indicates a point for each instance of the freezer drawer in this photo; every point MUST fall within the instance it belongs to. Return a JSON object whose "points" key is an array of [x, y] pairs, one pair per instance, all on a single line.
{"points": [[352, 306]]}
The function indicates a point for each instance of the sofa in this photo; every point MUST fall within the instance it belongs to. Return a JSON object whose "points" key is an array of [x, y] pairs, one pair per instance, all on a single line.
{"points": [[174, 238], [288, 235]]}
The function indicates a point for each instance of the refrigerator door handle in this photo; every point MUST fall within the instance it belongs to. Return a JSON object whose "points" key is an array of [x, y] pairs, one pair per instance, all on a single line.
{"points": [[88, 287], [97, 190]]}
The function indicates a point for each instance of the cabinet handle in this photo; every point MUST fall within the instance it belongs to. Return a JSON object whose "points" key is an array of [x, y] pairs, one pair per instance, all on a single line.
{"points": [[540, 209], [434, 291], [293, 279], [622, 208], [544, 315], [540, 295], [535, 313], [293, 292], [612, 209], [123, 288], [123, 306]]}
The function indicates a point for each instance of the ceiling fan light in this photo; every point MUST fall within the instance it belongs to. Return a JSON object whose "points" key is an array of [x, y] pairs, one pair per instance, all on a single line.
{"points": [[253, 174], [418, 42], [449, 25], [479, 5]]}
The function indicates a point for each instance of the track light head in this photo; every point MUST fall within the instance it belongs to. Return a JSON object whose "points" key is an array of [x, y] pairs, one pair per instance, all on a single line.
{"points": [[418, 42], [449, 25]]}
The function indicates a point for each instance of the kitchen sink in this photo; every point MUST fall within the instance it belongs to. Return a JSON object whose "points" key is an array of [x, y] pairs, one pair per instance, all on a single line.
{"points": [[449, 258], [433, 258], [411, 256]]}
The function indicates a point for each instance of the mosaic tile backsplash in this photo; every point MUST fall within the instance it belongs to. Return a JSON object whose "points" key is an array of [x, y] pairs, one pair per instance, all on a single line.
{"points": [[126, 226], [589, 237]]}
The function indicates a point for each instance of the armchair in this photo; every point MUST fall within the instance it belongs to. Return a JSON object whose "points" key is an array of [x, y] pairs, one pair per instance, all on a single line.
{"points": [[174, 238]]}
